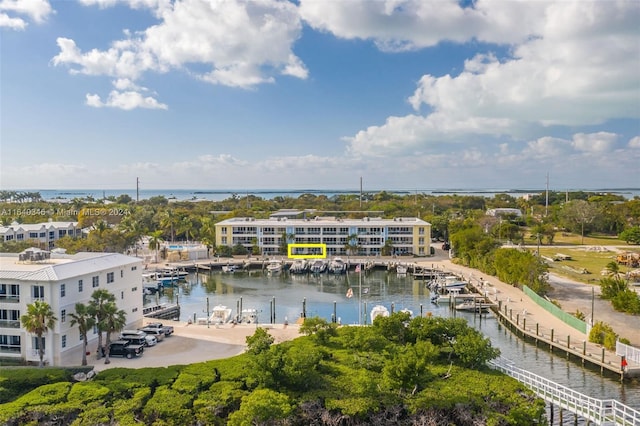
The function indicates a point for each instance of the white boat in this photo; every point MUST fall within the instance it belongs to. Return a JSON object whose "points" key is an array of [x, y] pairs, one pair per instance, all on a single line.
{"points": [[337, 266], [220, 315], [318, 266], [299, 266], [378, 311], [401, 269], [407, 311], [229, 268], [274, 267], [473, 305], [446, 298], [249, 316]]}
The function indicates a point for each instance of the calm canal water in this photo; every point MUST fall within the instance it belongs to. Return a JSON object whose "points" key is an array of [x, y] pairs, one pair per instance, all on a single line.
{"points": [[257, 290]]}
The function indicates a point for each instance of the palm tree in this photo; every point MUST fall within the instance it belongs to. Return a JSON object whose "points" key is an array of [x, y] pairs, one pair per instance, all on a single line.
{"points": [[85, 321], [169, 221], [154, 242], [38, 320], [613, 270], [97, 308], [114, 320]]}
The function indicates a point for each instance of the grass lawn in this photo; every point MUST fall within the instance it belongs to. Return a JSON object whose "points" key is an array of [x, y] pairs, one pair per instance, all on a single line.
{"points": [[582, 260]]}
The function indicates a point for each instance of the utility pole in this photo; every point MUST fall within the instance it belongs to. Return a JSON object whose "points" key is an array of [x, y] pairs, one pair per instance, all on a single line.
{"points": [[361, 192], [546, 203], [137, 189]]}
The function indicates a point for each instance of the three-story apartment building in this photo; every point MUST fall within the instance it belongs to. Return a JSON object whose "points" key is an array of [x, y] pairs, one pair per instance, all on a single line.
{"points": [[407, 235], [62, 281]]}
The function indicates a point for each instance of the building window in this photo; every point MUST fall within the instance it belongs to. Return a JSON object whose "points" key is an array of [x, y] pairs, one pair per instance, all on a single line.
{"points": [[134, 310], [121, 273], [110, 277], [36, 343], [133, 268], [95, 329], [122, 295], [134, 289], [9, 292], [79, 286], [37, 292], [42, 235], [33, 235], [95, 281], [63, 315], [64, 341], [9, 344], [20, 237], [63, 290]]}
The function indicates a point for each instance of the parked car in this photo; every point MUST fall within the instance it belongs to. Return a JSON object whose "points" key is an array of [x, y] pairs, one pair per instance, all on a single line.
{"points": [[147, 340], [133, 333], [125, 349], [166, 329], [158, 334]]}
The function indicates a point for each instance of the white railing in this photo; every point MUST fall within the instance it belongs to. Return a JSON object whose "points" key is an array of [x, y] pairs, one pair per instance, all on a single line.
{"points": [[599, 411], [631, 354]]}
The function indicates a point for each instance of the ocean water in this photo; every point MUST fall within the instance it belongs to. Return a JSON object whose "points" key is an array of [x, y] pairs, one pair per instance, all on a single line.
{"points": [[222, 194]]}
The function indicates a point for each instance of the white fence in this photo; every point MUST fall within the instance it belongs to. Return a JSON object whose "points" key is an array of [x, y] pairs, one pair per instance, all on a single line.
{"points": [[599, 411], [631, 354]]}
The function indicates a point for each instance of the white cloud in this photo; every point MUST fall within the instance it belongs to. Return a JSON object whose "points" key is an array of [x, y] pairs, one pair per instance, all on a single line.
{"points": [[595, 142], [157, 6], [578, 66], [634, 142], [127, 100], [398, 25], [35, 10], [242, 43]]}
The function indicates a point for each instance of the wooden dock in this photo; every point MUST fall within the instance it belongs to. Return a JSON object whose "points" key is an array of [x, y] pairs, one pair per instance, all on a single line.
{"points": [[576, 348]]}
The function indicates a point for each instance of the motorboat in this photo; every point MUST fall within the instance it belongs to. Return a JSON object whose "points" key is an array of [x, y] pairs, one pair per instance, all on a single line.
{"points": [[319, 266], [337, 266], [446, 298], [407, 311], [401, 269], [472, 305], [299, 266], [229, 269], [378, 311], [220, 315], [249, 316], [274, 267]]}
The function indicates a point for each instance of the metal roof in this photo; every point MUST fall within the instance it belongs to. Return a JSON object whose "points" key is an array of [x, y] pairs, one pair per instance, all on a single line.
{"points": [[61, 267]]}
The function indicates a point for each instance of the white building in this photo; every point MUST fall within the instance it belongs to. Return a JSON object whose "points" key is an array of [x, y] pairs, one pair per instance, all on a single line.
{"points": [[43, 234], [62, 281], [498, 212], [404, 235]]}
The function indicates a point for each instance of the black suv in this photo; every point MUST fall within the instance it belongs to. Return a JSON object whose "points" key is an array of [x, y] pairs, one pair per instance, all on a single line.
{"points": [[125, 348]]}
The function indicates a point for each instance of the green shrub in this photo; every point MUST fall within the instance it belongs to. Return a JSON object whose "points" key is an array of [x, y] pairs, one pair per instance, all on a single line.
{"points": [[216, 403], [20, 380], [169, 406], [603, 334]]}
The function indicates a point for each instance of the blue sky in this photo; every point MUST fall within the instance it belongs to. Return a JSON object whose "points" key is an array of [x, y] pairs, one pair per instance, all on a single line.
{"points": [[316, 94]]}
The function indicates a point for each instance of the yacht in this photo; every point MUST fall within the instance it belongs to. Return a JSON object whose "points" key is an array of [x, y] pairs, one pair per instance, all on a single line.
{"points": [[337, 266], [378, 311], [220, 315]]}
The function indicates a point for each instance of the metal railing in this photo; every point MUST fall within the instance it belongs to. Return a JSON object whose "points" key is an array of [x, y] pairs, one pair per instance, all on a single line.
{"points": [[599, 411], [631, 354]]}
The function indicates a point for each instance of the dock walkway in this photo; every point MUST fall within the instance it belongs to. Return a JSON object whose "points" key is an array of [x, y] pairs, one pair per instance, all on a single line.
{"points": [[529, 320]]}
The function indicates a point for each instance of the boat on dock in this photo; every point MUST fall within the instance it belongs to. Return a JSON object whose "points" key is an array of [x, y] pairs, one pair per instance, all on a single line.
{"points": [[378, 311], [401, 270], [337, 266], [229, 269], [249, 316], [299, 266], [220, 315], [274, 267], [318, 266], [472, 305]]}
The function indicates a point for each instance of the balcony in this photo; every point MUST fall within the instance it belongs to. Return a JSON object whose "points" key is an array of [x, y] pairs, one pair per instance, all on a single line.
{"points": [[9, 298], [9, 324], [10, 349]]}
